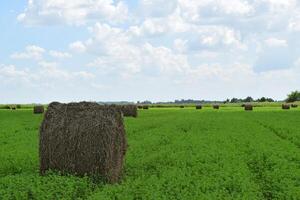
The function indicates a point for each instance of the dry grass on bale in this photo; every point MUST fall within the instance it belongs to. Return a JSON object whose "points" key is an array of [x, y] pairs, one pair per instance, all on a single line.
{"points": [[39, 109], [285, 106], [248, 107], [129, 110], [83, 139], [216, 106], [198, 107], [145, 107]]}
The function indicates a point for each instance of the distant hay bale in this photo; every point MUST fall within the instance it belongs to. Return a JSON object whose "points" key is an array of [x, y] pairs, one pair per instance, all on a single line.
{"points": [[13, 107], [145, 107], [248, 107], [285, 106], [198, 107], [39, 109], [294, 106], [129, 110], [140, 107], [216, 106], [181, 106], [83, 139]]}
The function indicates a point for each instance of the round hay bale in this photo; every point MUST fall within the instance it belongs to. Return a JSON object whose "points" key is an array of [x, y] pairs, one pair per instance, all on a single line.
{"points": [[198, 107], [248, 107], [294, 106], [39, 109], [145, 107], [285, 106], [83, 139], [129, 110], [216, 106]]}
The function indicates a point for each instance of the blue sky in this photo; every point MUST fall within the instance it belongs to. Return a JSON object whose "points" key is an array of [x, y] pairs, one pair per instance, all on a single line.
{"points": [[110, 50]]}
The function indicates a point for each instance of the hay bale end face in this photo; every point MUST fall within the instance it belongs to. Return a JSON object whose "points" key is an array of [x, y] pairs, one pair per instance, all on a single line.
{"points": [[83, 139], [285, 106], [198, 107], [248, 107], [38, 109], [129, 110], [216, 106]]}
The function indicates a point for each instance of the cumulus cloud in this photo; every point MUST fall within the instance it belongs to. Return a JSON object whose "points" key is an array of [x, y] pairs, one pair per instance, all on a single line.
{"points": [[78, 47], [31, 52], [59, 54], [238, 45], [275, 42], [77, 12]]}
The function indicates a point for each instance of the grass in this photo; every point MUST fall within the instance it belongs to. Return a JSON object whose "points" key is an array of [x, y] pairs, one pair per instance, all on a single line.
{"points": [[173, 154]]}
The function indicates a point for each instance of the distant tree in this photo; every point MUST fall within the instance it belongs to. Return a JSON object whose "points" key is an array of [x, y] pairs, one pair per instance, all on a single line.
{"points": [[234, 100], [293, 96], [263, 99], [270, 100], [248, 99]]}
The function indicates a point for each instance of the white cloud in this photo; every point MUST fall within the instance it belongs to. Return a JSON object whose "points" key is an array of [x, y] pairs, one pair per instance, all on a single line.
{"points": [[31, 52], [75, 12], [275, 42], [59, 54], [77, 47], [235, 46]]}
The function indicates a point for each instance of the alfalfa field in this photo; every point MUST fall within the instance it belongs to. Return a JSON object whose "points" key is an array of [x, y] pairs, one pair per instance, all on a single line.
{"points": [[173, 153]]}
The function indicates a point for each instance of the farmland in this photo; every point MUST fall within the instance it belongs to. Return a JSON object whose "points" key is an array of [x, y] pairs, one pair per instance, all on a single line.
{"points": [[173, 154]]}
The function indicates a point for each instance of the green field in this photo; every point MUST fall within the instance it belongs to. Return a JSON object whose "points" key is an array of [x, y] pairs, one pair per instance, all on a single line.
{"points": [[173, 154]]}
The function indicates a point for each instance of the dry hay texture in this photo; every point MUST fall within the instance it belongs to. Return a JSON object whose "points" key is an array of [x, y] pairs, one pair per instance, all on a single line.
{"points": [[198, 107], [216, 106], [129, 110], [38, 109], [83, 139], [248, 107], [145, 107], [285, 106]]}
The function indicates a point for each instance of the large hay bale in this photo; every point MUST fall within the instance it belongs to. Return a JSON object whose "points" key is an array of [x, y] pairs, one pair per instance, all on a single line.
{"points": [[83, 139], [285, 106], [198, 107], [39, 109], [145, 107], [129, 110], [216, 106], [294, 106], [248, 107]]}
